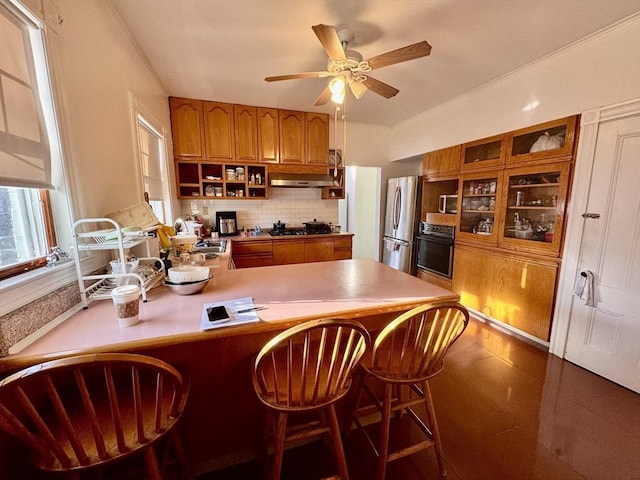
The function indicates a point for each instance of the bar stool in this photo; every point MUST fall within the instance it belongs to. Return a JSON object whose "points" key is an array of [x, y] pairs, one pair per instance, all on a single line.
{"points": [[306, 369], [85, 412], [407, 352]]}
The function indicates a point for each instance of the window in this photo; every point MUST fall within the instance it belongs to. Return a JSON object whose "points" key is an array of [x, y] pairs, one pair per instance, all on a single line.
{"points": [[153, 168], [26, 222]]}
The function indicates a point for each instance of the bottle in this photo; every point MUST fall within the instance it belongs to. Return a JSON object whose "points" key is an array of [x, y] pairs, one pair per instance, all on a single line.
{"points": [[252, 180], [258, 179], [516, 221]]}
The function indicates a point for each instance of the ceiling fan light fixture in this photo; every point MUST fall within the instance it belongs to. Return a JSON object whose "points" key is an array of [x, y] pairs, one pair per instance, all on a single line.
{"points": [[337, 87]]}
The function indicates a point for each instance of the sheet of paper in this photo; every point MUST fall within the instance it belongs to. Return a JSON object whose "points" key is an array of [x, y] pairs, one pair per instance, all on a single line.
{"points": [[233, 307]]}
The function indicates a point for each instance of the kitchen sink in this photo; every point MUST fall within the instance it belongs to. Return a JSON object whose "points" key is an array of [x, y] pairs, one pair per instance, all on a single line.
{"points": [[211, 246]]}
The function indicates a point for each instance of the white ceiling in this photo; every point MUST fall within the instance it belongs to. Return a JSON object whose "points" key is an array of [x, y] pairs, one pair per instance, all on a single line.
{"points": [[222, 49]]}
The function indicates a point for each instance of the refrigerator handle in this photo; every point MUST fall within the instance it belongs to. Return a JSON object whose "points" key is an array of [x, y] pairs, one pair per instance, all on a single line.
{"points": [[397, 202]]}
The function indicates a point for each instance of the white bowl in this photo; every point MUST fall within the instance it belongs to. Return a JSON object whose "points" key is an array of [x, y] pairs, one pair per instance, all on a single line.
{"points": [[188, 273], [187, 288]]}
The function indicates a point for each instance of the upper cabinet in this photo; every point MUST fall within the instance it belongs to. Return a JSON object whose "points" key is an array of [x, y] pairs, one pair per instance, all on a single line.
{"points": [[246, 133], [292, 137], [441, 163], [219, 131], [542, 143], [268, 135], [210, 136], [187, 126], [485, 153], [317, 134]]}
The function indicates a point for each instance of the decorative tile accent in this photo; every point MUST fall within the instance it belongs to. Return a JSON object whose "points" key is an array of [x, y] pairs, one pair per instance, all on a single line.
{"points": [[22, 322], [292, 206]]}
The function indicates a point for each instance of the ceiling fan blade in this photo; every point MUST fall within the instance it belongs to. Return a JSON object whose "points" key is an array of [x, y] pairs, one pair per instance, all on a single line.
{"points": [[330, 41], [417, 50], [381, 88], [293, 76], [358, 89], [324, 97]]}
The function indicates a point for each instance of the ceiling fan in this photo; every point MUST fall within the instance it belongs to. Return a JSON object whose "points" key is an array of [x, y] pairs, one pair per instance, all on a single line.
{"points": [[348, 68]]}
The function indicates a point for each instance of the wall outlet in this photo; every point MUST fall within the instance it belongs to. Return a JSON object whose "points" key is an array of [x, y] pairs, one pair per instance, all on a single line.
{"points": [[205, 210]]}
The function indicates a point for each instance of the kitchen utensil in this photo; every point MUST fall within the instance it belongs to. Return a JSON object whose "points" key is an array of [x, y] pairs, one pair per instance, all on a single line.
{"points": [[187, 288], [188, 273]]}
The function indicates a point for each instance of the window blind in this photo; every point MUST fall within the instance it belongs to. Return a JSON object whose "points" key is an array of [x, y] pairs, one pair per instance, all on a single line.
{"points": [[25, 156]]}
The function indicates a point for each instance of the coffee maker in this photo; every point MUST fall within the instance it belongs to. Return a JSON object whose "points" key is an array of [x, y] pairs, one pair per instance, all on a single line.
{"points": [[226, 223]]}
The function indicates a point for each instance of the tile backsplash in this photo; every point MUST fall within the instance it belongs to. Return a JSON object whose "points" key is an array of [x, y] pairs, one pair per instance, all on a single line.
{"points": [[292, 206]]}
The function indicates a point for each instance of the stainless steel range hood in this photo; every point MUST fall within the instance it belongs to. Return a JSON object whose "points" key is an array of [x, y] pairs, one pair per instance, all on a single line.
{"points": [[300, 180]]}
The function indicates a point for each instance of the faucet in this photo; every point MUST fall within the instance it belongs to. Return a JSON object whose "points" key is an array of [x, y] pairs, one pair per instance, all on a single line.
{"points": [[180, 226]]}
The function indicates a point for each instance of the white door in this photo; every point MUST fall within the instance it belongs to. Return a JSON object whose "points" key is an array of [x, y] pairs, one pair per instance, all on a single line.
{"points": [[605, 338]]}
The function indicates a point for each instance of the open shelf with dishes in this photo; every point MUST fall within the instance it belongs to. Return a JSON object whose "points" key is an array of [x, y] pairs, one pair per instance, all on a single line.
{"points": [[221, 180], [337, 190]]}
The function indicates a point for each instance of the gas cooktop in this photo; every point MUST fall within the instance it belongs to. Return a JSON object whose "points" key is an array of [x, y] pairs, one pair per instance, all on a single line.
{"points": [[297, 231]]}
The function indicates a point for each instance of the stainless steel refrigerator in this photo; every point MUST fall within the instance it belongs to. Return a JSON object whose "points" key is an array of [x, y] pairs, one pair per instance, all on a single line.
{"points": [[401, 221]]}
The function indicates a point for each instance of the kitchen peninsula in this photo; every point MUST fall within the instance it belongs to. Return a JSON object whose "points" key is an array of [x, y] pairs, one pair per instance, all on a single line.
{"points": [[221, 424]]}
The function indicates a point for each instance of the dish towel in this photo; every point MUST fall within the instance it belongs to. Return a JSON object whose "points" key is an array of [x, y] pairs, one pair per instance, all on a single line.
{"points": [[584, 287], [391, 245]]}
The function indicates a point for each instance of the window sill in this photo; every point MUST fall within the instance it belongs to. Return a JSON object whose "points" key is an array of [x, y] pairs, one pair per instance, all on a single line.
{"points": [[27, 287]]}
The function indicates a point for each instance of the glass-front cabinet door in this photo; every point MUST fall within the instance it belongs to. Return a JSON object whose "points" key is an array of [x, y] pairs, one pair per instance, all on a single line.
{"points": [[533, 216], [478, 203], [482, 154]]}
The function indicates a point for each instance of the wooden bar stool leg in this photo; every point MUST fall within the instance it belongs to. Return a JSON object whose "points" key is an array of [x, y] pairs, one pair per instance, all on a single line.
{"points": [[337, 443], [151, 461], [385, 425], [182, 455], [433, 424], [278, 446]]}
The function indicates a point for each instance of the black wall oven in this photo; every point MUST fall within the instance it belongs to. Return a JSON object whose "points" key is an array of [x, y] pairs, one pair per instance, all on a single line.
{"points": [[434, 249]]}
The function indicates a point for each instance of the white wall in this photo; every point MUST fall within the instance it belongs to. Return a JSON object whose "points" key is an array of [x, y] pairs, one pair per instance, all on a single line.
{"points": [[601, 70], [97, 66]]}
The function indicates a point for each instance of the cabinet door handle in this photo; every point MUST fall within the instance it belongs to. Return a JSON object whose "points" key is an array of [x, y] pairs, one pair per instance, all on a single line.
{"points": [[590, 215]]}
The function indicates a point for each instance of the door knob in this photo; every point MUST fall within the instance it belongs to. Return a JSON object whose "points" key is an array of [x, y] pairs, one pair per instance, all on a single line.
{"points": [[590, 215]]}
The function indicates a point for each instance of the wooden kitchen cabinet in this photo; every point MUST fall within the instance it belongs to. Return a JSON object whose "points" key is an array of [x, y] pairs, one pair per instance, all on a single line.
{"points": [[514, 289], [292, 137], [343, 246], [288, 251], [550, 141], [317, 138], [533, 213], [441, 163], [479, 202], [318, 250], [481, 154], [219, 132], [187, 128], [245, 119], [268, 135], [258, 253]]}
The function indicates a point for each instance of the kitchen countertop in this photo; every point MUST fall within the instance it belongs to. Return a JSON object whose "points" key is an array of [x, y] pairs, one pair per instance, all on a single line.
{"points": [[292, 294]]}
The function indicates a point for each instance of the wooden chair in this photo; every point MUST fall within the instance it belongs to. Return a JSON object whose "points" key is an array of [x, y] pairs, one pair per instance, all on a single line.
{"points": [[81, 413], [407, 352], [307, 368]]}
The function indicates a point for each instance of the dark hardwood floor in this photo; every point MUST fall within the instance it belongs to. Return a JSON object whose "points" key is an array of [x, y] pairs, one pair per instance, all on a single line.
{"points": [[506, 410]]}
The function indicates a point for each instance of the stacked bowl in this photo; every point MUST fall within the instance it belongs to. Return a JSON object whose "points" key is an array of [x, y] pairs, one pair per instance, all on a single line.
{"points": [[187, 279]]}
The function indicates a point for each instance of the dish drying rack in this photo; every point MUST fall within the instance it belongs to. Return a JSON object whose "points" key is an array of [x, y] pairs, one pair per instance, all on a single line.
{"points": [[99, 286]]}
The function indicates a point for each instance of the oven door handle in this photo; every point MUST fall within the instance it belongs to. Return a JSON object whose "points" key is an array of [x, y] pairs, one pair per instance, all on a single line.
{"points": [[436, 239]]}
